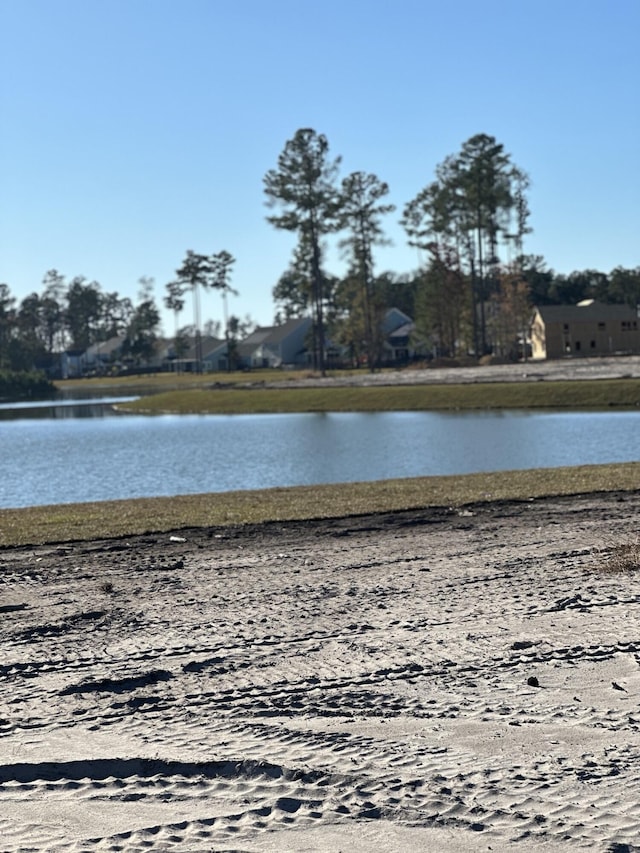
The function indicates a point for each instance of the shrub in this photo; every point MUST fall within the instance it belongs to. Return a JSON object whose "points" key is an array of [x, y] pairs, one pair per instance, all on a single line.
{"points": [[20, 384]]}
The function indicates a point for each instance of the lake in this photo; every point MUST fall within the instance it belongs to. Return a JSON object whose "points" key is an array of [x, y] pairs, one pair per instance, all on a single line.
{"points": [[84, 452]]}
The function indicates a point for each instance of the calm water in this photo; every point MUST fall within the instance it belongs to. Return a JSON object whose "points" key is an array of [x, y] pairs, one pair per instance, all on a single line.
{"points": [[58, 459]]}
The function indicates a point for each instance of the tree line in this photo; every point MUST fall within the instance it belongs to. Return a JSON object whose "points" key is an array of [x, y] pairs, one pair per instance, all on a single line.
{"points": [[472, 294], [73, 315], [476, 288]]}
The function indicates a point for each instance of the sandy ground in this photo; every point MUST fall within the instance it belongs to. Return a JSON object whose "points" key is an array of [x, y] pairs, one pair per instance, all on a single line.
{"points": [[613, 367], [444, 680]]}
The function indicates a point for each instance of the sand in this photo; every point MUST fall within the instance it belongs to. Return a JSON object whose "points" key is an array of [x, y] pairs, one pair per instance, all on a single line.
{"points": [[574, 369], [445, 680]]}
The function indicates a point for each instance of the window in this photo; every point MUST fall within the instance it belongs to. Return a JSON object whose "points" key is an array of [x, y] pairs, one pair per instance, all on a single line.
{"points": [[565, 327], [577, 346], [602, 327], [593, 344]]}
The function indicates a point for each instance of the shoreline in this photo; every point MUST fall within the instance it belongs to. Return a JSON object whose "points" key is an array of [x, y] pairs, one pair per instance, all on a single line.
{"points": [[122, 518]]}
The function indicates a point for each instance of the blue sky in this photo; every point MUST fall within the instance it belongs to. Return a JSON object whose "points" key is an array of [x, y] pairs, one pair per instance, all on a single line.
{"points": [[133, 130]]}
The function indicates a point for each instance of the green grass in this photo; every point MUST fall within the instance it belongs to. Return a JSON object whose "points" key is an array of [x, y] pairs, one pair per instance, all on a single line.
{"points": [[164, 381], [68, 522], [586, 394]]}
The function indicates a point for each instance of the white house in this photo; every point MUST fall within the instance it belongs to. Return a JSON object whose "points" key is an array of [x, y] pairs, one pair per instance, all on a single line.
{"points": [[276, 346]]}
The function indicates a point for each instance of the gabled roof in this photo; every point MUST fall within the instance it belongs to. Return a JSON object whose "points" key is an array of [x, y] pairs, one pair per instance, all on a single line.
{"points": [[402, 331], [162, 346], [393, 319], [209, 345], [105, 347], [588, 311], [272, 335], [280, 333], [257, 337]]}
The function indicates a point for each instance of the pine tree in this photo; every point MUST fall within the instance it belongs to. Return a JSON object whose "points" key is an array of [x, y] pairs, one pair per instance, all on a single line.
{"points": [[304, 185]]}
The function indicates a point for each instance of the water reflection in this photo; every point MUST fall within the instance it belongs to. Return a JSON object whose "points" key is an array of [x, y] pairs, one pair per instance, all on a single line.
{"points": [[100, 407]]}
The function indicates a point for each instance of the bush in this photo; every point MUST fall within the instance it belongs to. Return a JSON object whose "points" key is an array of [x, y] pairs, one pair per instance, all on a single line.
{"points": [[23, 384]]}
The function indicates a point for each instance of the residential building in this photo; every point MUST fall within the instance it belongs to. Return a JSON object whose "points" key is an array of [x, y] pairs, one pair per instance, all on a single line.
{"points": [[589, 328], [98, 356], [276, 346], [213, 353], [397, 328]]}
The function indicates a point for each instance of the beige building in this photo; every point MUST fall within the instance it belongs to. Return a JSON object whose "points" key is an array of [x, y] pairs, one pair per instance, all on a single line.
{"points": [[589, 328]]}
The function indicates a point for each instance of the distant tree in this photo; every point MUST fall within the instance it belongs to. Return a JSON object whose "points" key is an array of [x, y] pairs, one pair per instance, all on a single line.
{"points": [[512, 317], [83, 311], [569, 289], [212, 328], [624, 286], [52, 313], [515, 224], [221, 264], [174, 302], [182, 341], [361, 211], [476, 205], [443, 306], [549, 288], [293, 293], [399, 291], [353, 324], [141, 335], [539, 278], [578, 285], [7, 323], [116, 315], [238, 329], [27, 349], [241, 326], [194, 275], [304, 185]]}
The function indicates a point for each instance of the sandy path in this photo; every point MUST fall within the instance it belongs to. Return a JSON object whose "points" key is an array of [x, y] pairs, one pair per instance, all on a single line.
{"points": [[612, 367], [358, 685]]}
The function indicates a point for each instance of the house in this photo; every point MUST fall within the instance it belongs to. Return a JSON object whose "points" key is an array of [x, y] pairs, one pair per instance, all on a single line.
{"points": [[71, 363], [213, 353], [163, 349], [401, 342], [589, 328], [276, 346], [99, 355], [396, 331]]}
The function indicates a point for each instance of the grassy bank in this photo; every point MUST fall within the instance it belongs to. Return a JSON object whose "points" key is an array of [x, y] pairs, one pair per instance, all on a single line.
{"points": [[126, 385], [67, 522], [586, 394]]}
